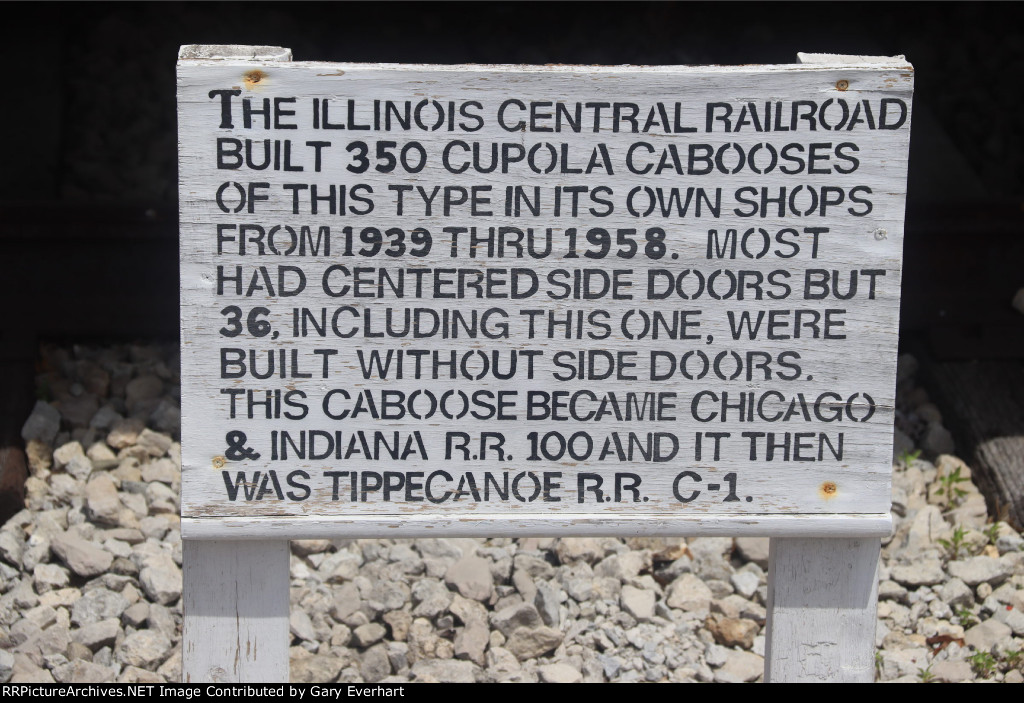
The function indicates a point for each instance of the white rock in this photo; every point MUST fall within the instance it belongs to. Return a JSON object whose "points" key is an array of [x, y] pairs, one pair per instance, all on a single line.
{"points": [[507, 620], [101, 499], [530, 642], [341, 566], [161, 498], [161, 579], [890, 590], [375, 664], [588, 549], [926, 527], [125, 432], [368, 634], [471, 641], [81, 671], [65, 488], [162, 620], [82, 557], [145, 649], [300, 625], [689, 593], [952, 671], [716, 655], [1011, 617], [547, 598], [904, 662], [424, 643], [60, 598], [444, 671], [98, 634], [559, 673], [154, 443], [740, 667], [972, 512], [136, 614], [753, 549], [624, 566], [49, 577], [42, 615], [162, 470], [98, 604], [11, 547], [925, 572], [745, 583], [64, 453], [976, 570], [100, 452], [472, 577], [431, 597], [638, 602], [984, 636], [6, 666], [1009, 542], [956, 593], [711, 557], [154, 527], [1008, 594]]}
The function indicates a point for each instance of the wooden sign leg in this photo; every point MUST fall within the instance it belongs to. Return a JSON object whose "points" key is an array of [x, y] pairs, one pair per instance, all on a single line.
{"points": [[236, 611], [822, 599]]}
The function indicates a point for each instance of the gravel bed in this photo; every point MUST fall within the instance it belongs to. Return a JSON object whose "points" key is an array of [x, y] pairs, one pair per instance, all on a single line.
{"points": [[90, 570]]}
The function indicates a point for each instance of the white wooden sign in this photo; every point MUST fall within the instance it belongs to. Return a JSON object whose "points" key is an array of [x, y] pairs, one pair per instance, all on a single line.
{"points": [[539, 299], [505, 300]]}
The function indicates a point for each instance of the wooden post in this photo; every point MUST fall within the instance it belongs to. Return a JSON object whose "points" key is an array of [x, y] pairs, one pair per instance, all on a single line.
{"points": [[822, 598], [236, 611], [822, 593], [235, 591]]}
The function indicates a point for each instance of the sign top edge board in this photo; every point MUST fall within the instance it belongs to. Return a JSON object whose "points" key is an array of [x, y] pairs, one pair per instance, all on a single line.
{"points": [[221, 54]]}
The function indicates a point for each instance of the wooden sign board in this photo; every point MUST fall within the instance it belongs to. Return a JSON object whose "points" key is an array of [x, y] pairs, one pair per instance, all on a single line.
{"points": [[500, 300]]}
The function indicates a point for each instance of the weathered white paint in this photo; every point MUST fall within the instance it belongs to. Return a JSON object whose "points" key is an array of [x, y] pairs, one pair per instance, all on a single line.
{"points": [[822, 589], [235, 611], [847, 59], [235, 596], [234, 51], [822, 598], [863, 363], [241, 528]]}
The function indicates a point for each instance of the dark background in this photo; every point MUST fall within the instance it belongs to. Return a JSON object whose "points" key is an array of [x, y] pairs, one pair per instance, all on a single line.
{"points": [[88, 196]]}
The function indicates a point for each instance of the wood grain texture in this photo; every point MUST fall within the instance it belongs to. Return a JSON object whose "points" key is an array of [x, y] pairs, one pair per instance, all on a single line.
{"points": [[249, 528], [860, 365], [822, 608], [235, 611], [984, 402]]}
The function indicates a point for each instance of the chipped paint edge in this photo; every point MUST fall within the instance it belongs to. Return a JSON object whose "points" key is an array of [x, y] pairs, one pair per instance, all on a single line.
{"points": [[233, 52]]}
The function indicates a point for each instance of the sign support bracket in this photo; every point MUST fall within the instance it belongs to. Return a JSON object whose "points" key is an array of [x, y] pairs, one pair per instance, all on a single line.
{"points": [[822, 610]]}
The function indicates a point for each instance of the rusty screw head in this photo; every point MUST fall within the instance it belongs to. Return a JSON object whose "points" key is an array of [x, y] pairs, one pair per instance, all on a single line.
{"points": [[253, 77], [218, 462], [842, 85], [829, 489]]}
